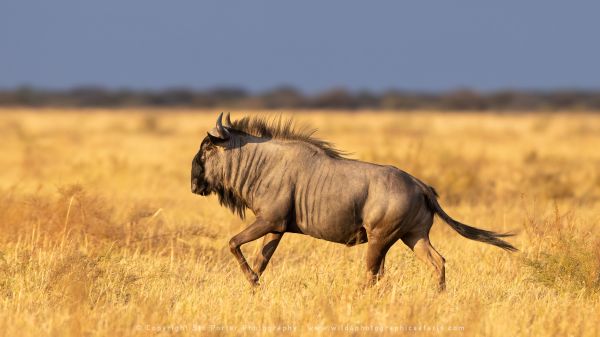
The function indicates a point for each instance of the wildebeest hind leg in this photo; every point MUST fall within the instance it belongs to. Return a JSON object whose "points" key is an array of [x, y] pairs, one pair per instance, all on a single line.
{"points": [[256, 230], [376, 251], [424, 251], [270, 243]]}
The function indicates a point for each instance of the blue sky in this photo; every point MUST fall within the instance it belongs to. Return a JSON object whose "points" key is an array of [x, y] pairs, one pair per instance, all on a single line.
{"points": [[313, 45]]}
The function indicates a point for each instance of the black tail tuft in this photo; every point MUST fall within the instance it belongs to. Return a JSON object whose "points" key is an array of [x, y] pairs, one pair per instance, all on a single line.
{"points": [[467, 231]]}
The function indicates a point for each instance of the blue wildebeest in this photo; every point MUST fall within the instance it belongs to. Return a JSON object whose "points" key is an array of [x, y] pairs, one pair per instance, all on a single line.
{"points": [[295, 183]]}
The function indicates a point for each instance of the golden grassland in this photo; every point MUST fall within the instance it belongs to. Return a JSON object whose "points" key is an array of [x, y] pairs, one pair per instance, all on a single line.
{"points": [[100, 235]]}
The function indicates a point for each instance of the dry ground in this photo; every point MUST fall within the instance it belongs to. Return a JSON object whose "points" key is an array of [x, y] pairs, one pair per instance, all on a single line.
{"points": [[100, 235]]}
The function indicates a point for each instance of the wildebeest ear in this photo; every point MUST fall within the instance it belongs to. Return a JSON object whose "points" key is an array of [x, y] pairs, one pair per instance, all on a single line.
{"points": [[228, 121], [215, 140], [219, 133]]}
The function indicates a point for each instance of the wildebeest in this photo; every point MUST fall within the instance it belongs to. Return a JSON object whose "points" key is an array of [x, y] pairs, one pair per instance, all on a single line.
{"points": [[296, 183]]}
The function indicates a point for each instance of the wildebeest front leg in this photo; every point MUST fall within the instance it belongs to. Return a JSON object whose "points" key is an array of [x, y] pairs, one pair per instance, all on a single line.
{"points": [[256, 230], [382, 267], [270, 243]]}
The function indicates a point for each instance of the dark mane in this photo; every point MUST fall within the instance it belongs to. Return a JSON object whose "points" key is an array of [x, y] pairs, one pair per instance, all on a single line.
{"points": [[277, 128]]}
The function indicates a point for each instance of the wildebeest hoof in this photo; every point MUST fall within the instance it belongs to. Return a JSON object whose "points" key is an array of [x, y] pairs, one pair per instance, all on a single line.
{"points": [[253, 279]]}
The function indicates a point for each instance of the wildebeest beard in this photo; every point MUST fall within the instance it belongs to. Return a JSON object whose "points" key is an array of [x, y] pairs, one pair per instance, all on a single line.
{"points": [[229, 198]]}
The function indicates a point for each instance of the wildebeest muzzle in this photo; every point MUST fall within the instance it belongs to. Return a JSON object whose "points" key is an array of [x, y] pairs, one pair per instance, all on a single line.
{"points": [[200, 188]]}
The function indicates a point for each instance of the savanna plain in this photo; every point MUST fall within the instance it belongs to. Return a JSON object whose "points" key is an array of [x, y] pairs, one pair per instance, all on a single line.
{"points": [[101, 236]]}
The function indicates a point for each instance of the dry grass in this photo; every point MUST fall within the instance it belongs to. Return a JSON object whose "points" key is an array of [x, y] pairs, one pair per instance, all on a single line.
{"points": [[100, 236]]}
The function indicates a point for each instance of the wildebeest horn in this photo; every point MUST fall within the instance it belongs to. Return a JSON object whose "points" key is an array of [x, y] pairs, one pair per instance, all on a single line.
{"points": [[228, 121], [219, 131]]}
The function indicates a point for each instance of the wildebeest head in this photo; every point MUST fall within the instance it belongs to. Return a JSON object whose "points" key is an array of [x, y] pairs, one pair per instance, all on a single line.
{"points": [[206, 162]]}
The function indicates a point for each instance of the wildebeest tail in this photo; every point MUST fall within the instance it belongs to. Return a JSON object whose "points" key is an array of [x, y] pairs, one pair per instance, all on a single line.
{"points": [[467, 231]]}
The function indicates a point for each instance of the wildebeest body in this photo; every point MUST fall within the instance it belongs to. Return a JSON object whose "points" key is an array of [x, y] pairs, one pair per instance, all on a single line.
{"points": [[295, 183]]}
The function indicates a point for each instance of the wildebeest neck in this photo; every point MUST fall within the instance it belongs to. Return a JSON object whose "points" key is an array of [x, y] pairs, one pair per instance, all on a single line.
{"points": [[244, 170]]}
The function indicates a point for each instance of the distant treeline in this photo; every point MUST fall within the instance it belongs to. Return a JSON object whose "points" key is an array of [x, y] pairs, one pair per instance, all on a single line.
{"points": [[288, 97]]}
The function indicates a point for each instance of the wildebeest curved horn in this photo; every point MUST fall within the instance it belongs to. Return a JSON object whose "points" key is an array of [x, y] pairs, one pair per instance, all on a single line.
{"points": [[228, 121], [219, 131]]}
